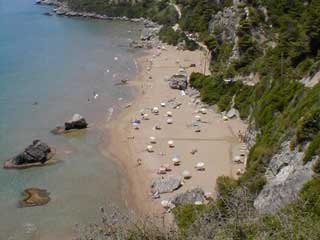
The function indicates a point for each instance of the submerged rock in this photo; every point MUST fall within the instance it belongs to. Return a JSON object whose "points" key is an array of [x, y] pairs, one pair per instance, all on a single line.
{"points": [[38, 153], [35, 197], [189, 197], [166, 184]]}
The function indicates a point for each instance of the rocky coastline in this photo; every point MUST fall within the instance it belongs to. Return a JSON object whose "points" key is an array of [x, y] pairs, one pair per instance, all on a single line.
{"points": [[62, 9]]}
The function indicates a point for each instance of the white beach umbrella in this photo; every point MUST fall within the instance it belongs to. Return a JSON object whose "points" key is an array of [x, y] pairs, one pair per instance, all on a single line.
{"points": [[163, 104], [169, 114], [176, 160], [153, 140], [225, 118], [203, 110], [200, 166], [237, 159], [145, 116], [171, 143], [169, 121], [149, 148], [165, 203], [198, 117], [186, 174], [155, 110]]}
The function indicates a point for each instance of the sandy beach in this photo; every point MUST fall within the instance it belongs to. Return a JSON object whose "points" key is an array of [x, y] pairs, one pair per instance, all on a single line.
{"points": [[216, 144]]}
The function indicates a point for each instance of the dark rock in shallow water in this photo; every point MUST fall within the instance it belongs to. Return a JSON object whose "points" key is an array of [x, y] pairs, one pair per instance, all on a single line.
{"points": [[47, 14], [189, 197], [77, 122], [35, 197], [38, 153]]}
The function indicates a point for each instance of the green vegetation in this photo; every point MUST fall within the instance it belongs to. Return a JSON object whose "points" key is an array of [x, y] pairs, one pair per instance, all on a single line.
{"points": [[158, 11], [172, 37], [186, 215]]}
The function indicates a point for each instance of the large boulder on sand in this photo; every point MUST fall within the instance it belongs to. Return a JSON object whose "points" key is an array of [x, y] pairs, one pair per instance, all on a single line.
{"points": [[36, 153], [189, 197], [166, 184], [77, 122], [179, 81]]}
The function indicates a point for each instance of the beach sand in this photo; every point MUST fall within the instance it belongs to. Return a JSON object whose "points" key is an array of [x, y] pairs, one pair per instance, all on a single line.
{"points": [[217, 144]]}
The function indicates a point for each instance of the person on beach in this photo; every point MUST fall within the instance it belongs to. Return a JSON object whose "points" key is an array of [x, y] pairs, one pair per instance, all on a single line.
{"points": [[139, 162]]}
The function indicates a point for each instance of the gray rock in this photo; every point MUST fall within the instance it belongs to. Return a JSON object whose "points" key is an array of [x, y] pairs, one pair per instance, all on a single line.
{"points": [[166, 184], [34, 153], [232, 113], [179, 81], [286, 175], [189, 197]]}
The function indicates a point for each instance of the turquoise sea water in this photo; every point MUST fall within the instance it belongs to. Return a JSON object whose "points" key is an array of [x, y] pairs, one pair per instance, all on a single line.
{"points": [[59, 63]]}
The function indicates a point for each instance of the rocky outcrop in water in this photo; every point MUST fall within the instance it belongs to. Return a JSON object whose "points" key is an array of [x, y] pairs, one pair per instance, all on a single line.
{"points": [[77, 122], [285, 175], [37, 153]]}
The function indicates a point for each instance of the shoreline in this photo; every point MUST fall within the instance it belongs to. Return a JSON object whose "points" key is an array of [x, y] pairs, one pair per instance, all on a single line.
{"points": [[125, 145]]}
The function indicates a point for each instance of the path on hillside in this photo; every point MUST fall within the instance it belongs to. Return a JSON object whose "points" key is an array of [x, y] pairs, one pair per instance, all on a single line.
{"points": [[202, 45]]}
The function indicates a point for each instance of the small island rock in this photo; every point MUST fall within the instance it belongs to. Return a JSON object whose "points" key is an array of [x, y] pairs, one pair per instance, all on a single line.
{"points": [[38, 153], [77, 122]]}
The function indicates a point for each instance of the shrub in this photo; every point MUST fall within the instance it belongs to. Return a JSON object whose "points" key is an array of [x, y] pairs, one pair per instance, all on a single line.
{"points": [[310, 194], [185, 215]]}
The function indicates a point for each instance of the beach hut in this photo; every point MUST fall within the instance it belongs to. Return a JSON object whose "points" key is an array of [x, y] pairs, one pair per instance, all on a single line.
{"points": [[163, 104], [169, 114], [170, 143], [186, 174], [153, 140], [149, 148], [176, 161], [169, 121], [200, 166]]}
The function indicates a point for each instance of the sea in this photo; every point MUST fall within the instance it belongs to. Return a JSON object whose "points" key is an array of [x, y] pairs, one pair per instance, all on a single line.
{"points": [[50, 68]]}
